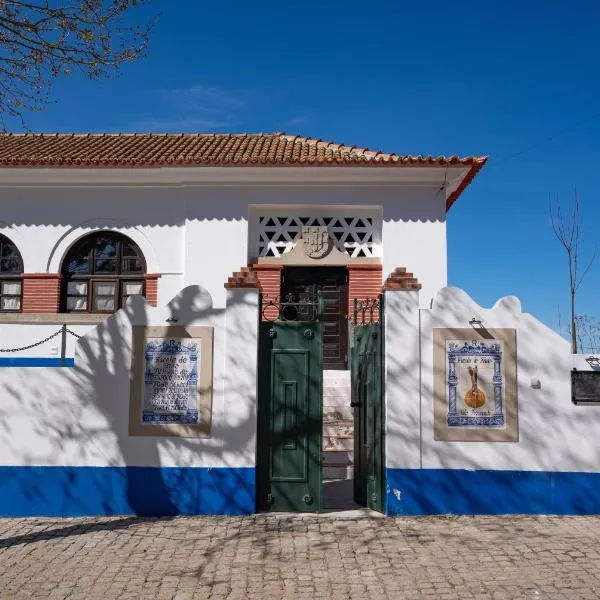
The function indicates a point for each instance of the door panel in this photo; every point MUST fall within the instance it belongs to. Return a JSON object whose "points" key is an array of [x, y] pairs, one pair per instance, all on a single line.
{"points": [[332, 284], [367, 400], [290, 381], [289, 426]]}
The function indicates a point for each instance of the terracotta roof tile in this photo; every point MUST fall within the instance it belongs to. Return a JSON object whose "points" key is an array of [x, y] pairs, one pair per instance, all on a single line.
{"points": [[151, 149]]}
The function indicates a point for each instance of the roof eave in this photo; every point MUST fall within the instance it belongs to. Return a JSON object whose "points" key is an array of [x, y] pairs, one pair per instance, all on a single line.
{"points": [[467, 179]]}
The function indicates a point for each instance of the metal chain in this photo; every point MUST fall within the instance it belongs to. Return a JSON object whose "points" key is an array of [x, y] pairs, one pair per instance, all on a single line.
{"points": [[41, 341], [32, 345]]}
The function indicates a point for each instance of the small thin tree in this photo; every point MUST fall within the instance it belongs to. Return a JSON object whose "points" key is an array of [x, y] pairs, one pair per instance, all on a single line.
{"points": [[43, 39], [566, 225]]}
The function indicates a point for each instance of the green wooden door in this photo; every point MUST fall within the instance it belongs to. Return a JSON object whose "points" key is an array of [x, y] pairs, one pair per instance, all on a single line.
{"points": [[367, 400], [290, 416]]}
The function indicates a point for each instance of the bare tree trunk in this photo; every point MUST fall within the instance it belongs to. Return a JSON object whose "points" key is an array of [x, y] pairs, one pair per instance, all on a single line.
{"points": [[567, 229], [573, 325]]}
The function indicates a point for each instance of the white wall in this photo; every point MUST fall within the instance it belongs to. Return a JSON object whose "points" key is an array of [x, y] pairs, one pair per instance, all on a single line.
{"points": [[199, 234], [554, 434], [80, 416]]}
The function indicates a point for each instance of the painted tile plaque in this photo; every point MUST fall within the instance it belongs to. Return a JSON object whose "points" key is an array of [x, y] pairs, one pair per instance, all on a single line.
{"points": [[475, 371], [171, 383], [475, 396]]}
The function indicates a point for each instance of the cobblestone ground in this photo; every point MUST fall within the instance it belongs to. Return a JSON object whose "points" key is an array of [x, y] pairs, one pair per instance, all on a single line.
{"points": [[284, 556]]}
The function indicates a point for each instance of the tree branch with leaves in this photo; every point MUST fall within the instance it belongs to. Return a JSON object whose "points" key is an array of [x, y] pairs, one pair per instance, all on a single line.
{"points": [[41, 40], [566, 224]]}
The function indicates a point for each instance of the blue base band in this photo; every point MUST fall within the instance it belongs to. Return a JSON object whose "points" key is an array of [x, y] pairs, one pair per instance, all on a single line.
{"points": [[149, 491], [6, 361], [461, 492]]}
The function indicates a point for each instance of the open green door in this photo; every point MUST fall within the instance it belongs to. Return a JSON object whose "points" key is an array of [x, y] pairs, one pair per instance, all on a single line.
{"points": [[290, 416], [367, 400]]}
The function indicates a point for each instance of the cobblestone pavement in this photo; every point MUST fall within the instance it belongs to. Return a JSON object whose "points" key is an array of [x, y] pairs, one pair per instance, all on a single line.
{"points": [[285, 556]]}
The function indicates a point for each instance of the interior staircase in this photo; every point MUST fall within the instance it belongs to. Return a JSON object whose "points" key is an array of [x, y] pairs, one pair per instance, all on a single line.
{"points": [[338, 426]]}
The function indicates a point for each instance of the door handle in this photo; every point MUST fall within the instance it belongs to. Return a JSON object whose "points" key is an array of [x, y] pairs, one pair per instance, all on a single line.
{"points": [[354, 404]]}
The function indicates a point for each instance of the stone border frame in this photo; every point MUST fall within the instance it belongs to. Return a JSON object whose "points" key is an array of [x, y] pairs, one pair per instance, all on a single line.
{"points": [[205, 381], [442, 432]]}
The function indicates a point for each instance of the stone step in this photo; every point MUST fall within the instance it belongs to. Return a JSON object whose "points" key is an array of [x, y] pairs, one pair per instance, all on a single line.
{"points": [[338, 413], [337, 458], [342, 472], [336, 400], [338, 428], [336, 392], [336, 379], [329, 374], [331, 442]]}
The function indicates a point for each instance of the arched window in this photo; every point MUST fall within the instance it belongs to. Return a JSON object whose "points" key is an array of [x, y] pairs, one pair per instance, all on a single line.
{"points": [[100, 271], [11, 268]]}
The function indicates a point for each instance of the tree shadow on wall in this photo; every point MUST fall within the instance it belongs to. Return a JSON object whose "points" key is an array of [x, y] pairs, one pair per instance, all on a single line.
{"points": [[80, 417]]}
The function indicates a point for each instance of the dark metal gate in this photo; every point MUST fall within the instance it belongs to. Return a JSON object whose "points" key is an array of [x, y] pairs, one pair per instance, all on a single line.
{"points": [[366, 365], [290, 381]]}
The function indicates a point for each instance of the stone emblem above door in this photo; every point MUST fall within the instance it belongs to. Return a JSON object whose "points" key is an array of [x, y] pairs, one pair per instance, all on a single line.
{"points": [[316, 242], [315, 246]]}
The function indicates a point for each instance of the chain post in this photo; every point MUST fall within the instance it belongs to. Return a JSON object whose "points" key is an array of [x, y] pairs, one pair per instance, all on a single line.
{"points": [[63, 344]]}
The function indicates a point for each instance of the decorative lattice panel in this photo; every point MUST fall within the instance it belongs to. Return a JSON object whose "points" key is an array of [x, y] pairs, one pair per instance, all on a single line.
{"points": [[352, 235]]}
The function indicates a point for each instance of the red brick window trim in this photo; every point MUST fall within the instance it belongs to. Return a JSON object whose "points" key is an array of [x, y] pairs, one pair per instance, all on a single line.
{"points": [[41, 292]]}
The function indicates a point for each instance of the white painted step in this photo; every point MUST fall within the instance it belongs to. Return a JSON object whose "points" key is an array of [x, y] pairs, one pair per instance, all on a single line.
{"points": [[338, 429], [333, 472], [338, 443], [336, 458], [338, 425], [334, 414]]}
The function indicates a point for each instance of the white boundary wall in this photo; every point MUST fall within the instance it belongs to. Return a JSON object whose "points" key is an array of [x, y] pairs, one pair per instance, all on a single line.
{"points": [[553, 433], [80, 416]]}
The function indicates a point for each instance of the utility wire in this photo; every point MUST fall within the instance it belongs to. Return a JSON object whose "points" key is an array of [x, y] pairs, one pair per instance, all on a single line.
{"points": [[545, 141]]}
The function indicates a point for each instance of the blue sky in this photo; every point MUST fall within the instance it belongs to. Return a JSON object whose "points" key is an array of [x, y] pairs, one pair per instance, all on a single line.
{"points": [[517, 81]]}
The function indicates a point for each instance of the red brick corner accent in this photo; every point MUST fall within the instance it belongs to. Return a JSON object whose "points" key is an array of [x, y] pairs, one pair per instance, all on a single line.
{"points": [[364, 281], [152, 288], [41, 292], [399, 279], [243, 279], [269, 277]]}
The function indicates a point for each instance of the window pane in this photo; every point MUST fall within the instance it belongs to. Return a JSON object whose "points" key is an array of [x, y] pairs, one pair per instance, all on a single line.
{"points": [[106, 248], [8, 250], [76, 303], [11, 264], [104, 303], [103, 265], [11, 288], [131, 287], [80, 266], [77, 288], [130, 249], [105, 288], [10, 303], [132, 265]]}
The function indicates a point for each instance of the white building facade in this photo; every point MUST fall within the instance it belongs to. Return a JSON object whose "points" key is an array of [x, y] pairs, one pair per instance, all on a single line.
{"points": [[211, 229]]}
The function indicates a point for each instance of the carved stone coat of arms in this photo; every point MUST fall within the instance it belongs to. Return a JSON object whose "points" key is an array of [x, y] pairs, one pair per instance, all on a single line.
{"points": [[316, 241]]}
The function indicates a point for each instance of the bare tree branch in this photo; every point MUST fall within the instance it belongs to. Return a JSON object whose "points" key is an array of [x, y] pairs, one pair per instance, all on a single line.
{"points": [[42, 40], [567, 230]]}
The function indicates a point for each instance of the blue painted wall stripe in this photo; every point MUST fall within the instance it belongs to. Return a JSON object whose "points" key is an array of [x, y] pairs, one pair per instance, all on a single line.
{"points": [[461, 492], [6, 361], [150, 491]]}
